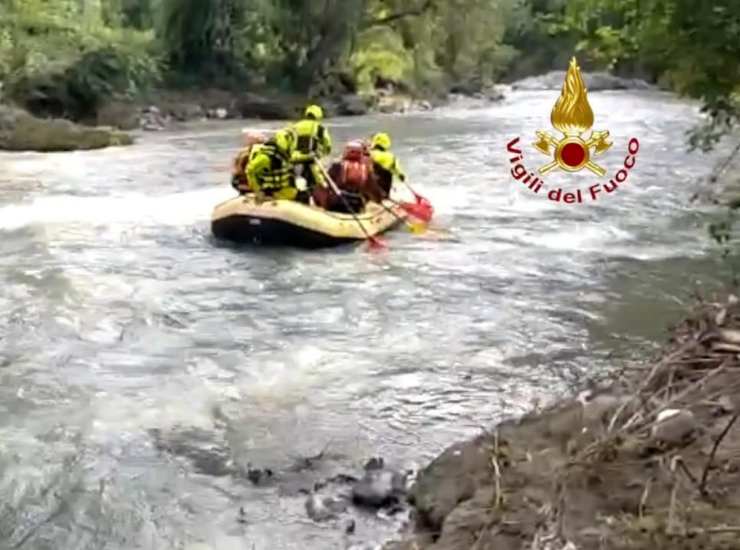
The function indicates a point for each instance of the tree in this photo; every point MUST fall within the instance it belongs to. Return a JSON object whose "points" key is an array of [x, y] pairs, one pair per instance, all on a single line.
{"points": [[689, 44], [198, 36]]}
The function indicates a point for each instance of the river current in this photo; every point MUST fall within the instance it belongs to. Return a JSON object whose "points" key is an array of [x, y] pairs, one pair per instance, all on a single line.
{"points": [[145, 367]]}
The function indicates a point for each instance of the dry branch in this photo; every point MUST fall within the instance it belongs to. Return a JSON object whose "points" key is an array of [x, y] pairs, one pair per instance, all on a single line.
{"points": [[718, 441]]}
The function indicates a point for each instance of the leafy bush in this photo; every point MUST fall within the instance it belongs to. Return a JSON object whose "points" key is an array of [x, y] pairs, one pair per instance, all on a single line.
{"points": [[55, 66], [380, 56]]}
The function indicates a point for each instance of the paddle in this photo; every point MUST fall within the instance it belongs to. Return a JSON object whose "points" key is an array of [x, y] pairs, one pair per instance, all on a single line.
{"points": [[421, 209], [416, 228], [373, 242]]}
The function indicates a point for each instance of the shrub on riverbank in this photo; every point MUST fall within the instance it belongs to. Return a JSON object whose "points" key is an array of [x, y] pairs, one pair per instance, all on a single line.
{"points": [[62, 59]]}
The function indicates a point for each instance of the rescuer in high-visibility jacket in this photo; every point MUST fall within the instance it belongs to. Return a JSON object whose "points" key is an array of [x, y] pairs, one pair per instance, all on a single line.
{"points": [[313, 142], [385, 163], [270, 172], [251, 142]]}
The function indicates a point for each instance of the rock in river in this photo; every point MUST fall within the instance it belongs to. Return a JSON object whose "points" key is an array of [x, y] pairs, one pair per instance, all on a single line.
{"points": [[20, 131], [322, 508], [352, 105], [250, 105], [379, 487]]}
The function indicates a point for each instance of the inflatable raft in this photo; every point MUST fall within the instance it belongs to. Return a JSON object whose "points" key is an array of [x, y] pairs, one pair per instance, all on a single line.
{"points": [[290, 223]]}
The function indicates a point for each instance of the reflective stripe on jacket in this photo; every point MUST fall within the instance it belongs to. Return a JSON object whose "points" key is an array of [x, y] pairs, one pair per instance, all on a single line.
{"points": [[312, 140], [269, 169]]}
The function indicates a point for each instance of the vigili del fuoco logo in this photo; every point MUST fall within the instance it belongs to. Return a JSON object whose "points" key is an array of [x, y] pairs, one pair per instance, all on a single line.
{"points": [[572, 152]]}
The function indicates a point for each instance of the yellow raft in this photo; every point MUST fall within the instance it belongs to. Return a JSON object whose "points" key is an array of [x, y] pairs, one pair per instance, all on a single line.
{"points": [[290, 223]]}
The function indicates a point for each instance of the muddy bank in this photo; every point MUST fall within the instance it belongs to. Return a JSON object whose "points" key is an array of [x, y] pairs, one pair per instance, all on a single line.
{"points": [[649, 461]]}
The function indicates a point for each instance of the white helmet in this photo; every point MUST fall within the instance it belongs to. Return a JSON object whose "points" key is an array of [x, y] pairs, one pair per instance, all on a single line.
{"points": [[250, 137]]}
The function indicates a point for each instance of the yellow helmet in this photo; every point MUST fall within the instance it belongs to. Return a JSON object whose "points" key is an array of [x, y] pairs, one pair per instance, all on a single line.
{"points": [[381, 141], [285, 140], [314, 111]]}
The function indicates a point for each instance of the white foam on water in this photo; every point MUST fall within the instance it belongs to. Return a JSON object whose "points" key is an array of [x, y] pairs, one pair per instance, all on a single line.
{"points": [[581, 237], [285, 376], [173, 209], [185, 399]]}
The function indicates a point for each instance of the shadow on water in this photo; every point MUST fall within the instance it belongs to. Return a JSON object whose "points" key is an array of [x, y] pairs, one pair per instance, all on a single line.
{"points": [[273, 252]]}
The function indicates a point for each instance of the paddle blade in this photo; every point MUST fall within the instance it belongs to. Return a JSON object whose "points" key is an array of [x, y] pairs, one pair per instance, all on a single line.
{"points": [[418, 210], [424, 205], [417, 228], [375, 244]]}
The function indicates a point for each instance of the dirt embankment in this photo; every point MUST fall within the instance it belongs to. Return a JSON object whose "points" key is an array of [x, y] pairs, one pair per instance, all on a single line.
{"points": [[652, 461]]}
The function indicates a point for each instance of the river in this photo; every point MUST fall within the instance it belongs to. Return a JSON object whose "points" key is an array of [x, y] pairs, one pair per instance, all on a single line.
{"points": [[143, 365]]}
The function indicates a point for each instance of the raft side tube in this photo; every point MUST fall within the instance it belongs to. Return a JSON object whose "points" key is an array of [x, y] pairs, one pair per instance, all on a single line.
{"points": [[290, 223]]}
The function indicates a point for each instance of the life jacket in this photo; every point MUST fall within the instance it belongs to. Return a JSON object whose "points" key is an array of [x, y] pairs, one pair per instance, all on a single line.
{"points": [[309, 136], [355, 166], [384, 163], [280, 174]]}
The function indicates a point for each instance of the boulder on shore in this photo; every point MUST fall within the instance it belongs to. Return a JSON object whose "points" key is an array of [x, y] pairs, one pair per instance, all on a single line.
{"points": [[20, 131], [119, 114], [250, 105], [353, 105], [594, 82], [184, 112], [394, 103]]}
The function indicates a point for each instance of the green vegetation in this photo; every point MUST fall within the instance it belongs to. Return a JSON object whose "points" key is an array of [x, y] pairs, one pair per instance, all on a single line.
{"points": [[66, 57], [690, 45]]}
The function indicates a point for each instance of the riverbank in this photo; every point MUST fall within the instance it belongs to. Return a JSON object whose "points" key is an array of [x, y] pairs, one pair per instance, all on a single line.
{"points": [[118, 119], [167, 108], [649, 460]]}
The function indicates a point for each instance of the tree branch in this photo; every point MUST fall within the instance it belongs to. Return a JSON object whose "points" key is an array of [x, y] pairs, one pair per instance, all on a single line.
{"points": [[388, 19], [703, 485]]}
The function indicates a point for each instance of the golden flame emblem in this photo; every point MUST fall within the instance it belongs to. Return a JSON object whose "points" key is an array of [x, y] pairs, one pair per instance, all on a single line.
{"points": [[572, 116]]}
